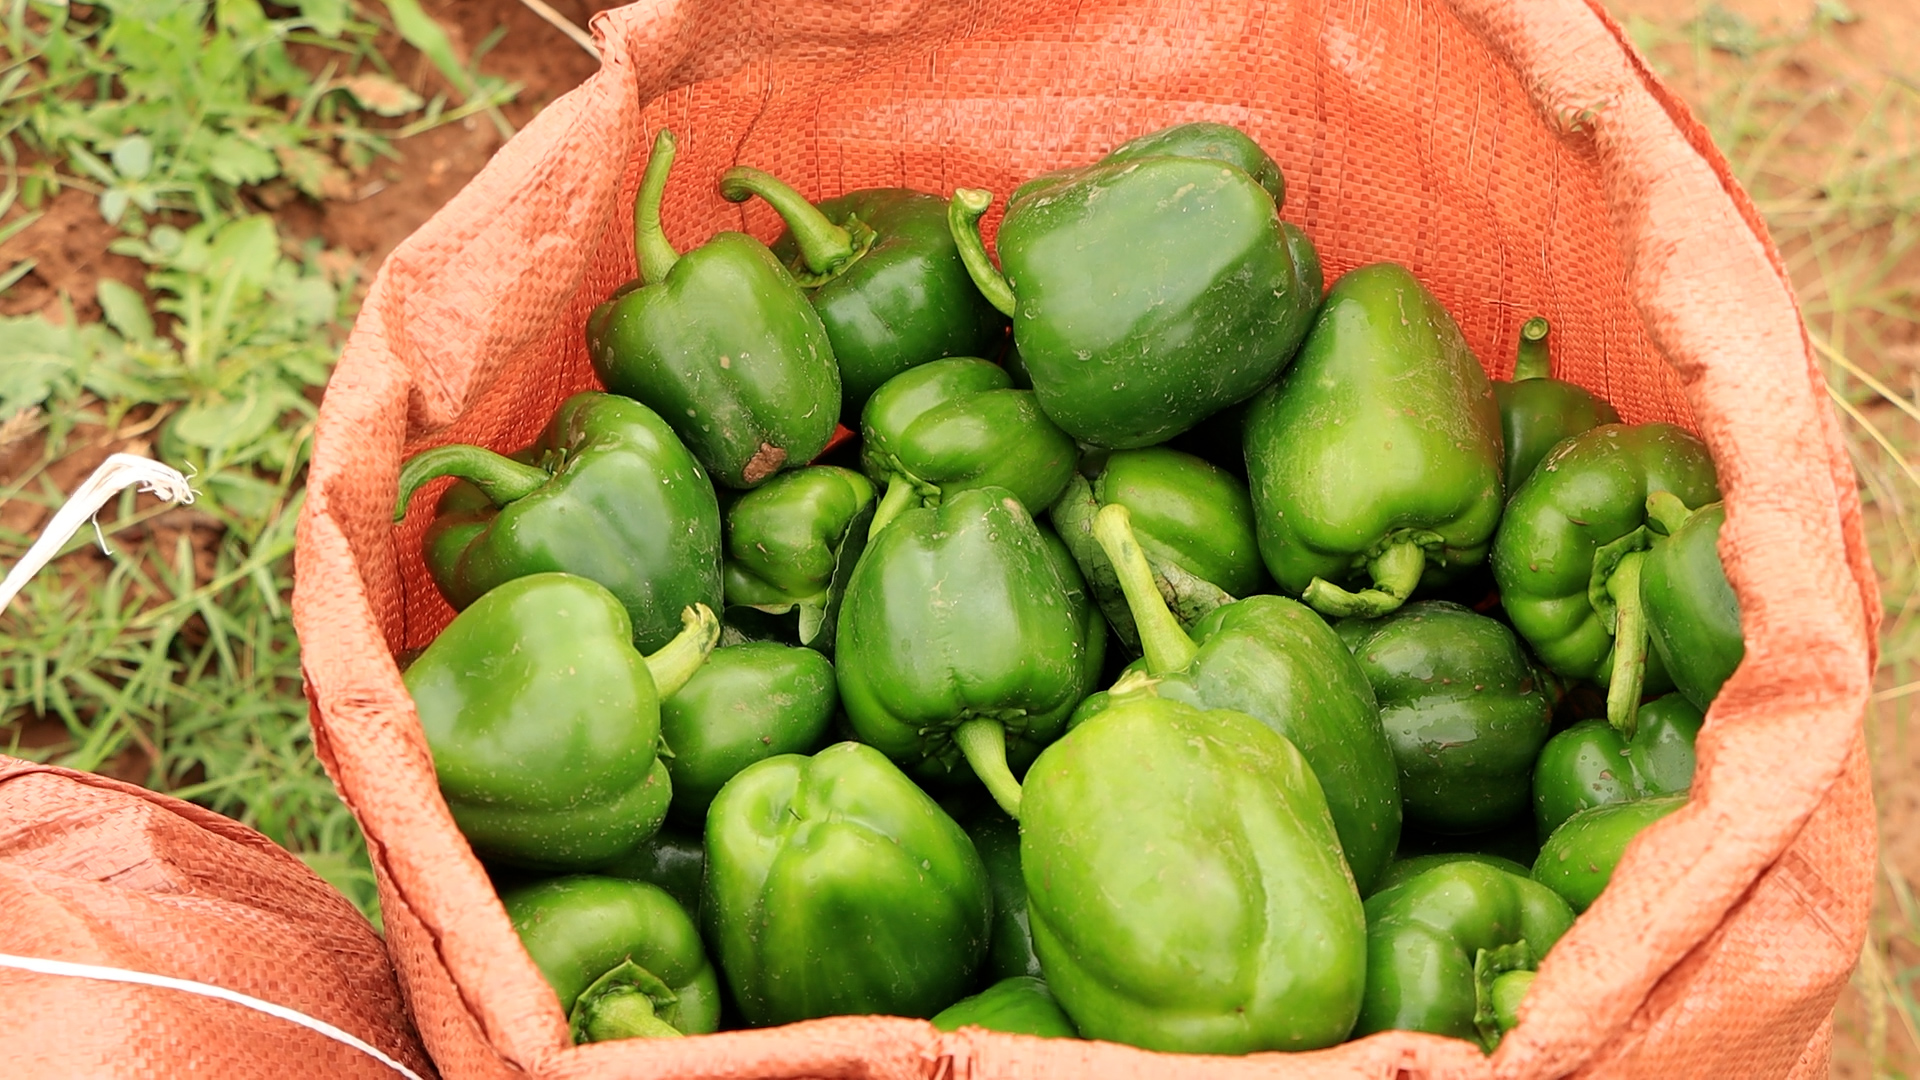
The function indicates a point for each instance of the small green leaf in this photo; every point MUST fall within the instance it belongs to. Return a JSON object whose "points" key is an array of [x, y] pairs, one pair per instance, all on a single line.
{"points": [[239, 161], [420, 31], [125, 309], [133, 157], [328, 17], [113, 204]]}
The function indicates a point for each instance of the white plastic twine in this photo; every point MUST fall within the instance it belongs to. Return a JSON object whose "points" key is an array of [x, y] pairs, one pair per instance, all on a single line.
{"points": [[114, 475]]}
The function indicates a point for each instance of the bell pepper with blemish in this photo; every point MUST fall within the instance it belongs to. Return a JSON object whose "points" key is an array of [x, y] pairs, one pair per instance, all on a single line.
{"points": [[722, 342], [1538, 411], [791, 545], [1591, 764]]}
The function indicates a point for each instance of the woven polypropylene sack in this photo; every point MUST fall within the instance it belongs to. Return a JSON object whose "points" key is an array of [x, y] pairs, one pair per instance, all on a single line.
{"points": [[1518, 156], [110, 881]]}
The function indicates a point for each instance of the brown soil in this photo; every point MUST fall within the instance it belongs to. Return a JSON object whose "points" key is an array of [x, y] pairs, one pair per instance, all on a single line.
{"points": [[69, 247]]}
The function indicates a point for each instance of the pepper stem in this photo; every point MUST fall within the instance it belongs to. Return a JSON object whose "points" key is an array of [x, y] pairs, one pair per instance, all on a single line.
{"points": [[624, 1003], [983, 743], [1629, 646], [899, 498], [649, 239], [1396, 573], [824, 246], [1665, 509], [678, 659], [1533, 362], [1167, 647], [963, 220], [1489, 967], [501, 479]]}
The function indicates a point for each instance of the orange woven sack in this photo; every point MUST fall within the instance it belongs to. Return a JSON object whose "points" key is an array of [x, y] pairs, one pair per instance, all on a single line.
{"points": [[149, 937], [1516, 154]]}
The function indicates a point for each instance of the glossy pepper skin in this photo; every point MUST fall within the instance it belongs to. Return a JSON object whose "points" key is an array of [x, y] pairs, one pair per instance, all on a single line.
{"points": [[1214, 142], [544, 721], [1568, 554], [1186, 886], [957, 424], [722, 342], [1276, 661], [1463, 707], [748, 702], [882, 270], [793, 542], [1194, 523], [1408, 868], [1377, 455], [1145, 292], [962, 636], [1537, 411], [1436, 942], [1578, 860], [607, 492], [1693, 618], [624, 958], [1020, 1005], [1590, 764], [1010, 953], [836, 886]]}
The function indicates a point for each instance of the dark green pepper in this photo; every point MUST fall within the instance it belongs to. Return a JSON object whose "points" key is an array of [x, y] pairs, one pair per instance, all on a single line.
{"points": [[1537, 411], [1186, 887], [1693, 618], [836, 886], [1436, 942], [1578, 860], [1464, 709], [956, 424], [791, 545], [1278, 662], [624, 958], [1020, 1005], [961, 636], [607, 491], [997, 839], [670, 859], [1193, 521], [1212, 141], [1569, 552], [1378, 453], [544, 721], [1591, 764], [882, 270], [1146, 292], [722, 341], [748, 702]]}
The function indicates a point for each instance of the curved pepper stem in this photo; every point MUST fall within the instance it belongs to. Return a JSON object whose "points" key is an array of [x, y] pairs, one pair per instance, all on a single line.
{"points": [[1665, 509], [1533, 362], [900, 497], [1629, 646], [1167, 646], [678, 659], [825, 247], [963, 220], [624, 1003], [983, 742], [501, 479], [649, 239], [1396, 573], [1490, 967]]}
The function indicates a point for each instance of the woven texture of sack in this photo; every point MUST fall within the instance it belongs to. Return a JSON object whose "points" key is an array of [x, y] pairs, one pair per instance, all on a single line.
{"points": [[95, 871], [1516, 154]]}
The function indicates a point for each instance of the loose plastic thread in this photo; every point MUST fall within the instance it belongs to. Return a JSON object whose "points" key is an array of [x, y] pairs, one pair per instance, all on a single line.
{"points": [[115, 474]]}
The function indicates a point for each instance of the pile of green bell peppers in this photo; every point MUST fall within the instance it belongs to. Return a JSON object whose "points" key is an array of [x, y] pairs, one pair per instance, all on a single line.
{"points": [[1008, 713]]}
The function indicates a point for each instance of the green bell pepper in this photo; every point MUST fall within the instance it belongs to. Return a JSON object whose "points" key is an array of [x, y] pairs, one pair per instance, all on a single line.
{"points": [[1508, 991], [1569, 552], [1010, 953], [1209, 140], [962, 635], [624, 958], [791, 545], [722, 342], [544, 721], [882, 270], [1020, 1005], [607, 491], [1693, 618], [670, 859], [1436, 942], [1578, 860], [1590, 764], [956, 424], [1186, 887], [1146, 292], [835, 886], [1409, 867], [1463, 707], [1537, 411], [1276, 661], [1193, 521], [1378, 452], [748, 702]]}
